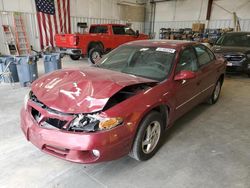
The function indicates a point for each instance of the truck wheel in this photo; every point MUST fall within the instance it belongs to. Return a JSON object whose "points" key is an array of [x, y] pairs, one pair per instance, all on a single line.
{"points": [[147, 140], [75, 57], [95, 54]]}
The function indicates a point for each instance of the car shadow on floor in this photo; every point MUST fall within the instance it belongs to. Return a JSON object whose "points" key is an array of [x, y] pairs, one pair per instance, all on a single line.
{"points": [[180, 124], [126, 163]]}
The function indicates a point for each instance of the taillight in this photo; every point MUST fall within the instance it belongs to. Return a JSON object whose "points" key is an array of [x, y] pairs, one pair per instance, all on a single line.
{"points": [[76, 40]]}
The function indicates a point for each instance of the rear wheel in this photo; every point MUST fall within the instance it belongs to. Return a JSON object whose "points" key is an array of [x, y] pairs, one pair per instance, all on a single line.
{"points": [[95, 54], [148, 137], [75, 57], [216, 93]]}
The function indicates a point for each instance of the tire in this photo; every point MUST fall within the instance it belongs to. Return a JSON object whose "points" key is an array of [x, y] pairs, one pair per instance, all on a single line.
{"points": [[75, 57], [141, 151], [95, 54], [216, 93]]}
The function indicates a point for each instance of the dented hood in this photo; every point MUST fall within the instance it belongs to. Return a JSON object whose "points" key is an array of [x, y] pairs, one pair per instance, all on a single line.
{"points": [[81, 90]]}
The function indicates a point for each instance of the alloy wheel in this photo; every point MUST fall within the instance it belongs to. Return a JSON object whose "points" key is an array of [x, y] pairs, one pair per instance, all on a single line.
{"points": [[217, 90], [151, 137]]}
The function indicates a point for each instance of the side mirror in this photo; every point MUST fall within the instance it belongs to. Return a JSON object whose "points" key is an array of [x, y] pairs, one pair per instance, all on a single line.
{"points": [[137, 33], [184, 75]]}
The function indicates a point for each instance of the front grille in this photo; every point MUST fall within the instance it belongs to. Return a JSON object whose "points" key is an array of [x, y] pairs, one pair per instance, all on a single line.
{"points": [[235, 58], [65, 121], [47, 122], [233, 69], [52, 122]]}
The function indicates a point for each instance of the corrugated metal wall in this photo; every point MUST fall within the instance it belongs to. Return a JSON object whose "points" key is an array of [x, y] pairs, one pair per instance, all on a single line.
{"points": [[32, 27], [213, 24], [6, 18]]}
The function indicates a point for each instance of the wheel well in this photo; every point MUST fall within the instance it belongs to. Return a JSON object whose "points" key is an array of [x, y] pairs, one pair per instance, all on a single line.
{"points": [[222, 78], [163, 110], [95, 44]]}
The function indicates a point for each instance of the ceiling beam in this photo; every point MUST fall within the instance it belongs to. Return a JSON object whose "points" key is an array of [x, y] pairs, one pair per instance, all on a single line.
{"points": [[209, 9]]}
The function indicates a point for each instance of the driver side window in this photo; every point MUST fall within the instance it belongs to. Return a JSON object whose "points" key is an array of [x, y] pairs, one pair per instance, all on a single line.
{"points": [[188, 61]]}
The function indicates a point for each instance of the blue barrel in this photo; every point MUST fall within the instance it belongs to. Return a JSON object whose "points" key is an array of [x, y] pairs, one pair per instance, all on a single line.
{"points": [[52, 62], [26, 69], [4, 61]]}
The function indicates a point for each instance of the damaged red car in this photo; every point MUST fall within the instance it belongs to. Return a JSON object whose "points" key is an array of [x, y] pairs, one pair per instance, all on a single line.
{"points": [[123, 104]]}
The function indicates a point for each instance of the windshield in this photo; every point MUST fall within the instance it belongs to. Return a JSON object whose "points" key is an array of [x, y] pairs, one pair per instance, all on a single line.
{"points": [[236, 40], [148, 62]]}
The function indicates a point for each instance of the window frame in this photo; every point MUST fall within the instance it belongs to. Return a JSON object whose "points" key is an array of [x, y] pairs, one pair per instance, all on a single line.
{"points": [[208, 51], [180, 54], [99, 26], [120, 27]]}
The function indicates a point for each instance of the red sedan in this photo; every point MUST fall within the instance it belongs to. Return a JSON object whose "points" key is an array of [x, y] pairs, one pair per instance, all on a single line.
{"points": [[123, 104]]}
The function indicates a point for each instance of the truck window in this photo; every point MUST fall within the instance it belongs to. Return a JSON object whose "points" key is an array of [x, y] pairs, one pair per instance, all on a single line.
{"points": [[118, 30], [129, 31], [98, 29]]}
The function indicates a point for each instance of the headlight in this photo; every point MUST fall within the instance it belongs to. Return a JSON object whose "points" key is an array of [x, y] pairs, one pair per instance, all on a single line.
{"points": [[25, 101], [109, 123], [94, 122]]}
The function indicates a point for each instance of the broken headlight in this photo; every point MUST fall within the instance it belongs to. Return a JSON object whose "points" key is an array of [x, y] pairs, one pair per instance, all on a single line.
{"points": [[26, 98], [94, 122]]}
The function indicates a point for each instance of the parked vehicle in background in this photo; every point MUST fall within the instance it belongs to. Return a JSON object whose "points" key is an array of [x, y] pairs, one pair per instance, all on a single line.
{"points": [[235, 48], [101, 39], [123, 104]]}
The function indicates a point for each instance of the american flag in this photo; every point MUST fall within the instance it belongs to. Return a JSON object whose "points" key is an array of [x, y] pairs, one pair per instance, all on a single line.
{"points": [[53, 16]]}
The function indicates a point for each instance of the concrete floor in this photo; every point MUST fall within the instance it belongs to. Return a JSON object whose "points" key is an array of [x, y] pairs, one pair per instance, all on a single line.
{"points": [[208, 147]]}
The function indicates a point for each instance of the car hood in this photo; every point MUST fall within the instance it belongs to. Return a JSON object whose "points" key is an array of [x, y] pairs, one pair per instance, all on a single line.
{"points": [[81, 90], [230, 50]]}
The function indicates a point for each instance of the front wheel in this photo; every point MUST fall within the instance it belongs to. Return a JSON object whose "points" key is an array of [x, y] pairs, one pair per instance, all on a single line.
{"points": [[75, 57], [216, 93], [148, 137], [95, 54]]}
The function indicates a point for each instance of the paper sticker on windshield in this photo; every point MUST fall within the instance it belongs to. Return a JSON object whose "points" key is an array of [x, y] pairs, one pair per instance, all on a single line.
{"points": [[169, 50], [143, 49]]}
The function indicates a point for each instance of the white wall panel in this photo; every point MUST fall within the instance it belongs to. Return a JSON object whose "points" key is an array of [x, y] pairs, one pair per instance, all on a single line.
{"points": [[222, 8], [79, 8], [18, 5], [95, 9], [164, 11], [181, 10], [182, 13], [106, 5]]}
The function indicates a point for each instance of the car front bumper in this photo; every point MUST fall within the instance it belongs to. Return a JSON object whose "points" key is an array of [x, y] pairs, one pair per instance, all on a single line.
{"points": [[233, 67], [77, 147]]}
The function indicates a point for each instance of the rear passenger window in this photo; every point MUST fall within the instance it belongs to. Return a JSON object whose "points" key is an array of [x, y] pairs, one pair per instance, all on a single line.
{"points": [[203, 54], [118, 30], [98, 29]]}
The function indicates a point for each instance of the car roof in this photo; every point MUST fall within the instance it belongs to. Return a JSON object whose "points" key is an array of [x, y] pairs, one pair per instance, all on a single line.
{"points": [[175, 44], [238, 33]]}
